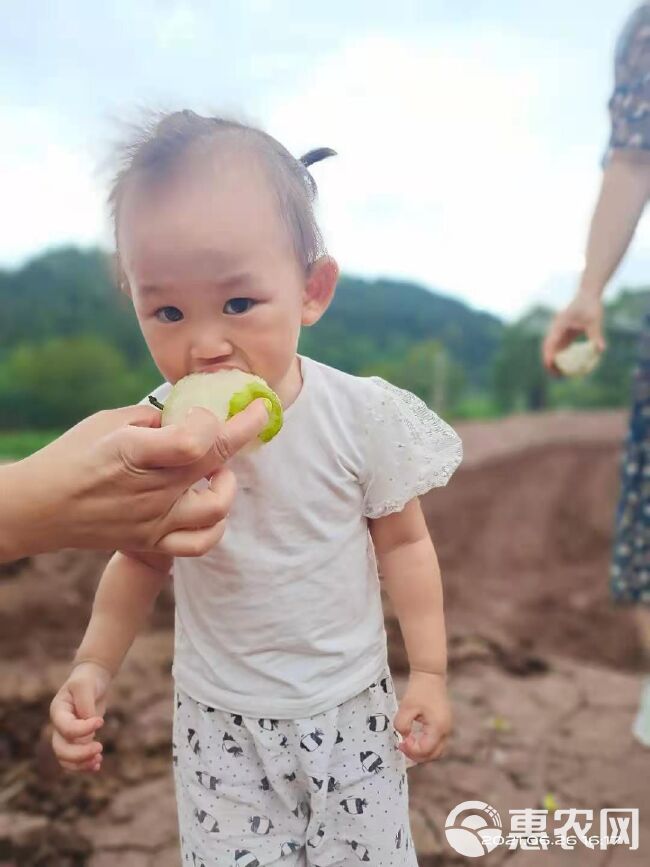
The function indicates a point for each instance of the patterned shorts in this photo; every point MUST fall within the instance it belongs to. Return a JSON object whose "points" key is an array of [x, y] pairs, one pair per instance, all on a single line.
{"points": [[324, 790]]}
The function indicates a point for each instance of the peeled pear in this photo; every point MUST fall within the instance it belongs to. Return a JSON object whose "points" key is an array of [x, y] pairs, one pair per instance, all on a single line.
{"points": [[577, 359], [224, 393]]}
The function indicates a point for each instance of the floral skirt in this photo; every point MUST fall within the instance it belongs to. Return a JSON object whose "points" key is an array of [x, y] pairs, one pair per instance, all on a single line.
{"points": [[630, 566]]}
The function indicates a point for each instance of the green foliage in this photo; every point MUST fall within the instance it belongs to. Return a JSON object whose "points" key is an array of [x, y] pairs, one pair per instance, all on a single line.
{"points": [[371, 322], [427, 370], [70, 344], [63, 379], [474, 407], [67, 293], [20, 444], [519, 381]]}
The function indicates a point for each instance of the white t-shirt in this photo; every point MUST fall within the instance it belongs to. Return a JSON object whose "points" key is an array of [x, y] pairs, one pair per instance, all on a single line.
{"points": [[283, 617]]}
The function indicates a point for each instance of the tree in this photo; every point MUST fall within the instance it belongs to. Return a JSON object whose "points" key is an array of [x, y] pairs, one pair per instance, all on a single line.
{"points": [[519, 380], [427, 370], [63, 380]]}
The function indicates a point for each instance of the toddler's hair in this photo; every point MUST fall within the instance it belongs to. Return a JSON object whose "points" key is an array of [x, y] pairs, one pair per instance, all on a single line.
{"points": [[159, 143]]}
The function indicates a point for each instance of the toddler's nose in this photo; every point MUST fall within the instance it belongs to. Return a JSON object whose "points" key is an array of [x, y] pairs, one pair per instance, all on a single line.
{"points": [[209, 346]]}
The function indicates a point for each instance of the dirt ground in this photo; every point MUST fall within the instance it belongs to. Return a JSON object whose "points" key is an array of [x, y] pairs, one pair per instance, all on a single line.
{"points": [[544, 670]]}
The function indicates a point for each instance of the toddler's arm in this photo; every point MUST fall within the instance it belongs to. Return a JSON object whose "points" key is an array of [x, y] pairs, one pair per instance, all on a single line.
{"points": [[123, 602], [124, 599], [411, 575]]}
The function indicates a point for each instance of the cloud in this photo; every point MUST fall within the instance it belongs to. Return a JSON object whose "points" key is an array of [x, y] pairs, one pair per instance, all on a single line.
{"points": [[49, 192], [447, 172], [469, 134]]}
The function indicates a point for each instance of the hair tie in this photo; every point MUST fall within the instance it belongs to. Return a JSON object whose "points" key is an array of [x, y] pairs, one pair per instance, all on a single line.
{"points": [[316, 156]]}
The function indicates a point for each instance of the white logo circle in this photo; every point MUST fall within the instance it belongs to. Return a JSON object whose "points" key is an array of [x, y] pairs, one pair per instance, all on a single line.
{"points": [[473, 828]]}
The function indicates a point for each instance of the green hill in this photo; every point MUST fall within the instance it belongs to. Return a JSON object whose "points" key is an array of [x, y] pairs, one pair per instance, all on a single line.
{"points": [[70, 344], [63, 306], [369, 322]]}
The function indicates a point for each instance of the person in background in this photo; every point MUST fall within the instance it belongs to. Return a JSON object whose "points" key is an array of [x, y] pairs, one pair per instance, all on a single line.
{"points": [[624, 193], [117, 477]]}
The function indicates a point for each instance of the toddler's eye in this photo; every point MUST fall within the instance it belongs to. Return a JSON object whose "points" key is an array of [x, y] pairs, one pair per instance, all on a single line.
{"points": [[239, 305], [168, 314]]}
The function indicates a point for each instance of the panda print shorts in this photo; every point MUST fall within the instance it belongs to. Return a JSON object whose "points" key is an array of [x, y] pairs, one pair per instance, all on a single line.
{"points": [[321, 791]]}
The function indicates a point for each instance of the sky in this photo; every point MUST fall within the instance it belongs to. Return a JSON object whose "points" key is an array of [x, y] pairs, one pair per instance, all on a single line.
{"points": [[469, 133]]}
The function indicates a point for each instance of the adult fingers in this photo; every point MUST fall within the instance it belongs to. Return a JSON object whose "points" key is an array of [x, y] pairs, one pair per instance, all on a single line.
{"points": [[112, 420], [198, 510], [143, 448], [548, 348], [188, 542], [139, 415], [202, 442], [227, 439], [595, 333], [191, 543], [560, 335]]}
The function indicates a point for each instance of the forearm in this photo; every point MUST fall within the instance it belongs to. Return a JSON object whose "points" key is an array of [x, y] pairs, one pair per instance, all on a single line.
{"points": [[123, 602], [27, 519], [411, 576], [623, 195]]}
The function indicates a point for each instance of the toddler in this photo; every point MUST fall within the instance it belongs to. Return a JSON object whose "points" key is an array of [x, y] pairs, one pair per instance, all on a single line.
{"points": [[289, 746]]}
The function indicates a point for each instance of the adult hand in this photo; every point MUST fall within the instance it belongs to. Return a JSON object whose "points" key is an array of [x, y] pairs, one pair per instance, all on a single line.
{"points": [[119, 480], [584, 315]]}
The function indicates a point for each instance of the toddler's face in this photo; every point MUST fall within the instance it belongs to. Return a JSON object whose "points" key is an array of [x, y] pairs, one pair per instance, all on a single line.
{"points": [[213, 276]]}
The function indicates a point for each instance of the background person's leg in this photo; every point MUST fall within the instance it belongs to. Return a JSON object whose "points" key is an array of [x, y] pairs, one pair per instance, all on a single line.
{"points": [[641, 726]]}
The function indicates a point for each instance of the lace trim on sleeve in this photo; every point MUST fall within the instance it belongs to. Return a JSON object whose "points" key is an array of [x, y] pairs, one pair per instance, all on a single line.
{"points": [[410, 469]]}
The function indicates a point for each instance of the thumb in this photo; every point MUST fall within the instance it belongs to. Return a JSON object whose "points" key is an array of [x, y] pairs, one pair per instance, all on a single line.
{"points": [[552, 343], [202, 441], [83, 698], [404, 719], [224, 440], [595, 334], [247, 424]]}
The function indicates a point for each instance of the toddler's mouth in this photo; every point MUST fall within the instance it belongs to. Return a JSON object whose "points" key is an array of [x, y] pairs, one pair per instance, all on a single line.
{"points": [[213, 368]]}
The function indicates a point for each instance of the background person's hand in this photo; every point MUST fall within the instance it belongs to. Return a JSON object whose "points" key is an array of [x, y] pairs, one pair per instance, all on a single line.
{"points": [[118, 480], [584, 315]]}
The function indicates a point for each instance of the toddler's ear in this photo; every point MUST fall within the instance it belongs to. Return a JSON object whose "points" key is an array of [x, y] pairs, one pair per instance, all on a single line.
{"points": [[319, 289]]}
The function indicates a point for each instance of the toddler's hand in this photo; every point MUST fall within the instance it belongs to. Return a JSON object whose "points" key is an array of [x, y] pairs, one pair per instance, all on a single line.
{"points": [[77, 712], [425, 703]]}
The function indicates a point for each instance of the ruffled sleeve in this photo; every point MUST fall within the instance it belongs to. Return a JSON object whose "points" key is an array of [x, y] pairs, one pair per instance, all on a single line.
{"points": [[409, 449]]}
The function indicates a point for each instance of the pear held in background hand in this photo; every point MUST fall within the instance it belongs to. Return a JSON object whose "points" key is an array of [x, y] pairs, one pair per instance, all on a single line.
{"points": [[578, 359], [224, 393]]}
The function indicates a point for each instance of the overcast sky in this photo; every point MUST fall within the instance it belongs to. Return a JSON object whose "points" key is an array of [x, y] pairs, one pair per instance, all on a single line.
{"points": [[469, 132]]}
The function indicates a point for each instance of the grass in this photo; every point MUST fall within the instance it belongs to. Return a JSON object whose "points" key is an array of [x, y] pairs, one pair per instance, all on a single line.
{"points": [[475, 407], [15, 445]]}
